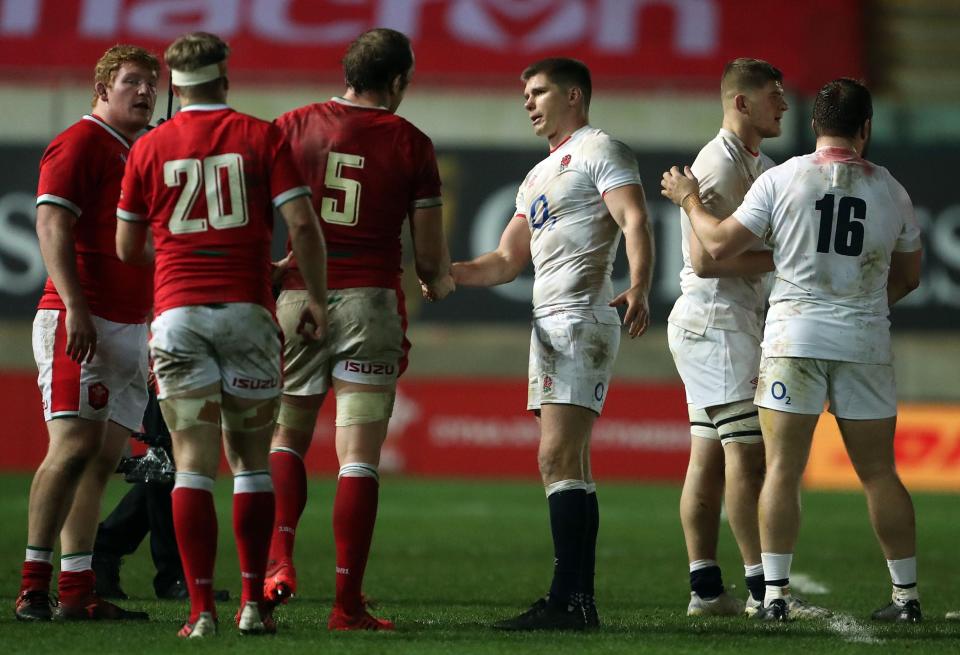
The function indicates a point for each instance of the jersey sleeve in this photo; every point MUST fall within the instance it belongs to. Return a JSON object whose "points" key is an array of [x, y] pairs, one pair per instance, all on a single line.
{"points": [[613, 165], [756, 211], [67, 174], [909, 238], [426, 182], [286, 182], [521, 209], [132, 205], [716, 186]]}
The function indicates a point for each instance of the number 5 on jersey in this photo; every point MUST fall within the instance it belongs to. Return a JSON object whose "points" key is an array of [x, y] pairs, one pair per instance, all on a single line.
{"points": [[225, 188], [334, 179]]}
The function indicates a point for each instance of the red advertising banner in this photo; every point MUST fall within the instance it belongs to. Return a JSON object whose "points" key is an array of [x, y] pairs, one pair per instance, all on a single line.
{"points": [[629, 43], [448, 427]]}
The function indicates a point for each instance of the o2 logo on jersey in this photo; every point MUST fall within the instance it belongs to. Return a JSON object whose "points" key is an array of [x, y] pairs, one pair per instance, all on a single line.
{"points": [[540, 216], [779, 392]]}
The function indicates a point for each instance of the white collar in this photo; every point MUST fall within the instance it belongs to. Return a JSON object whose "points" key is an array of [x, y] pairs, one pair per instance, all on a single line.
{"points": [[116, 135]]}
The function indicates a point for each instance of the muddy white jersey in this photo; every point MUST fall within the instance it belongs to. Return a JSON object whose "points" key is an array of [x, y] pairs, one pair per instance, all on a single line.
{"points": [[573, 237], [726, 169], [834, 220]]}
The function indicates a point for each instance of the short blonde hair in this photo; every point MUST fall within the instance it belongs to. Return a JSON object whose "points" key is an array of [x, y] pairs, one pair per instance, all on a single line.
{"points": [[109, 64]]}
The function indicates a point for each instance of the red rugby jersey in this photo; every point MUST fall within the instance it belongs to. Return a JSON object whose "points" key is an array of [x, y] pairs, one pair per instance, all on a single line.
{"points": [[367, 168], [81, 170], [207, 181]]}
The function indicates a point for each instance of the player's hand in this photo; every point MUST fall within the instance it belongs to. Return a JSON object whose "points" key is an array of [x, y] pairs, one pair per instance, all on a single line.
{"points": [[439, 289], [676, 185], [313, 322], [81, 335], [637, 316], [279, 269]]}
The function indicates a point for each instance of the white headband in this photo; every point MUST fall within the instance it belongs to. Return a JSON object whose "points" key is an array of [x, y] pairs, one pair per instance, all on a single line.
{"points": [[198, 76]]}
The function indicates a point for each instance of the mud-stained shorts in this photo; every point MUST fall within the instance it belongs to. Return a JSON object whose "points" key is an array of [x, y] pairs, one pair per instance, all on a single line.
{"points": [[235, 344], [110, 387], [801, 385], [365, 343], [571, 360], [718, 367]]}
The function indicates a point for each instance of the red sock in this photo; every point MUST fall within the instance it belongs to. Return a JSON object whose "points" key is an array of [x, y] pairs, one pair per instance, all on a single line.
{"points": [[354, 514], [76, 587], [252, 526], [35, 575], [195, 522], [290, 489]]}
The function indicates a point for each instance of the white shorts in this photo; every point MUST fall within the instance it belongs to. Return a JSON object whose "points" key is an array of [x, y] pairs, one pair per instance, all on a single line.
{"points": [[235, 344], [365, 343], [802, 386], [717, 368], [111, 387], [571, 360]]}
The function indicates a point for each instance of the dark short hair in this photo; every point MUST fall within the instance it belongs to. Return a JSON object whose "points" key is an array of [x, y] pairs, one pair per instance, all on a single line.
{"points": [[748, 74], [375, 58], [841, 108], [196, 50], [564, 72]]}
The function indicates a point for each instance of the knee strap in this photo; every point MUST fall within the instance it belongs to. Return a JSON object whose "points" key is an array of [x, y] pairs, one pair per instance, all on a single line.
{"points": [[357, 408], [739, 422], [184, 413], [297, 418], [259, 415]]}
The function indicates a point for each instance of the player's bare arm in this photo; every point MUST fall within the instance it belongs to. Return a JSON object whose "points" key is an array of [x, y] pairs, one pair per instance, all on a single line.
{"points": [[722, 239], [751, 262], [628, 207], [310, 251], [134, 243], [501, 265], [430, 253], [55, 230], [904, 274], [279, 268]]}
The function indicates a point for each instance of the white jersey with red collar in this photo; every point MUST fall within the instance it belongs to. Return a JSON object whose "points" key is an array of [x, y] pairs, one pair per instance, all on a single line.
{"points": [[573, 238], [834, 219], [726, 169]]}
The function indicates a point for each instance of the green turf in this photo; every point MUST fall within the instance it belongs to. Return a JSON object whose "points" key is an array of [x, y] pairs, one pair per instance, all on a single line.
{"points": [[450, 557]]}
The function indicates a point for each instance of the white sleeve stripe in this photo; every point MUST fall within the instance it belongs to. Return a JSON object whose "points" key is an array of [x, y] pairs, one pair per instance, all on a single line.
{"points": [[130, 217], [290, 194], [49, 198], [422, 203], [912, 245]]}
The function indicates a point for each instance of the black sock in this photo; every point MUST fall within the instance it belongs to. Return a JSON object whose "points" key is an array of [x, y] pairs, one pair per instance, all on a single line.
{"points": [[756, 586], [568, 523], [590, 547], [707, 582]]}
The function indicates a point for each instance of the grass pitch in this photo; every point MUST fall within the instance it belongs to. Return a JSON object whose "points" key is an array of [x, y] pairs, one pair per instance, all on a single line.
{"points": [[451, 557]]}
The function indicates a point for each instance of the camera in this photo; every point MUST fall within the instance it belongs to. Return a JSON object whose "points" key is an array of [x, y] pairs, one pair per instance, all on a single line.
{"points": [[154, 466]]}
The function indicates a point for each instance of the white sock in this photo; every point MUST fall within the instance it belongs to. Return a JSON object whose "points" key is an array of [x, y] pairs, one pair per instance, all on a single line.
{"points": [[750, 570], [698, 564], [39, 555], [903, 572], [76, 562], [776, 566]]}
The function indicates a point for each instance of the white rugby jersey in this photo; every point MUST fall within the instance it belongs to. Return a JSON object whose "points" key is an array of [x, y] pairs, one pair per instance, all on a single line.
{"points": [[726, 169], [834, 219], [573, 237]]}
